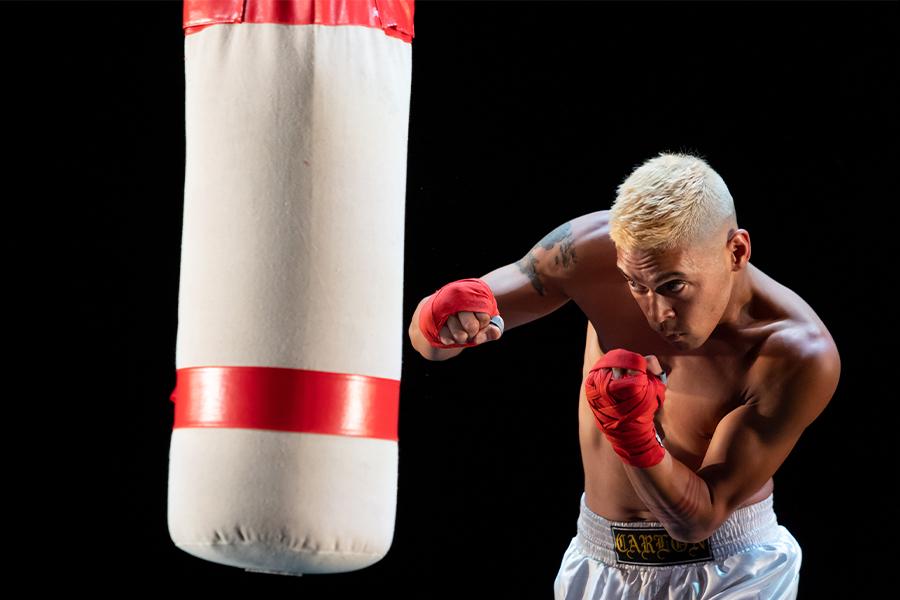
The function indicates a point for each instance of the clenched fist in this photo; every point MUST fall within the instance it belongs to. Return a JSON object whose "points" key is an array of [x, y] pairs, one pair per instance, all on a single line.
{"points": [[467, 327], [624, 394], [653, 367], [462, 313]]}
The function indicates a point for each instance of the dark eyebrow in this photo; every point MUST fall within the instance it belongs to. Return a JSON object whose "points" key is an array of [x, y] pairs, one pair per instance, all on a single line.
{"points": [[659, 278]]}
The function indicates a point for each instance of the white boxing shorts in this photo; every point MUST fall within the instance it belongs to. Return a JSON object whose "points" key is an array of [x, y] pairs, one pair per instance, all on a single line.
{"points": [[749, 556]]}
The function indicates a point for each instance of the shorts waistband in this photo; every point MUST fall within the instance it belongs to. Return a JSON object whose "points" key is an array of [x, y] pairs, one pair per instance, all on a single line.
{"points": [[746, 527]]}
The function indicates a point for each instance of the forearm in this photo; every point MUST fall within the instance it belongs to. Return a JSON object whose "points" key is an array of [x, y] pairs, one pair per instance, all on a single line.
{"points": [[677, 497], [422, 346]]}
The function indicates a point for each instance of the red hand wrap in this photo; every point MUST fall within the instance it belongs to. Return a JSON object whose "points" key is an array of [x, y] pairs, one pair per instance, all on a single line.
{"points": [[464, 294], [624, 407]]}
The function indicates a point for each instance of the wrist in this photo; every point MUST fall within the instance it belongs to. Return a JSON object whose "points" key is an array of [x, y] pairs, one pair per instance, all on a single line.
{"points": [[636, 444]]}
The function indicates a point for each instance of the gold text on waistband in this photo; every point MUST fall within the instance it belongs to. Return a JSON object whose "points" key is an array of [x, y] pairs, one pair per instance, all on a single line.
{"points": [[654, 546]]}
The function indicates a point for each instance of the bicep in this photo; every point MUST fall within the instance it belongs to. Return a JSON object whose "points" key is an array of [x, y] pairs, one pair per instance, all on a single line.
{"points": [[745, 451], [751, 442]]}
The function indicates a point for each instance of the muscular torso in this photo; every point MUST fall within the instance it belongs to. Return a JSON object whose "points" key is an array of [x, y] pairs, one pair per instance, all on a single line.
{"points": [[703, 385]]}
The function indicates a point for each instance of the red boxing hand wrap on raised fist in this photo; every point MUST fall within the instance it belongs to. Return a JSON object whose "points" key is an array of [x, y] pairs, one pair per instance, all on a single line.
{"points": [[624, 407], [465, 294]]}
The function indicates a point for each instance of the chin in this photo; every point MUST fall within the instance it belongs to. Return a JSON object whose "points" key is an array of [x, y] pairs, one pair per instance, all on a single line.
{"points": [[682, 342]]}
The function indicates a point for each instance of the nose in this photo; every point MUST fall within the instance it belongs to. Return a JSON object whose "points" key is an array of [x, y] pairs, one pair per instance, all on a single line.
{"points": [[660, 312]]}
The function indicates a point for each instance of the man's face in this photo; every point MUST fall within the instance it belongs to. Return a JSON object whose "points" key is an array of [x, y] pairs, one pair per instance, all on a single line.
{"points": [[681, 291]]}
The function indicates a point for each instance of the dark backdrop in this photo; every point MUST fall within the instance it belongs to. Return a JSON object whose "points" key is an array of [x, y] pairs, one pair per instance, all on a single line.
{"points": [[523, 115]]}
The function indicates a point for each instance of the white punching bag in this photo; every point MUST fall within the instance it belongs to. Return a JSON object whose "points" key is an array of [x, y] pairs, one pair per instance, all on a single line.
{"points": [[283, 456]]}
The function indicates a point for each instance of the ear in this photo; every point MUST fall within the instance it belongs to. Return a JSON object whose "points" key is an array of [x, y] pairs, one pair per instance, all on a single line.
{"points": [[739, 248]]}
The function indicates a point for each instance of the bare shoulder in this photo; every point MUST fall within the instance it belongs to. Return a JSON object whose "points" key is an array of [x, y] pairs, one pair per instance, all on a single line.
{"points": [[796, 372], [569, 252]]}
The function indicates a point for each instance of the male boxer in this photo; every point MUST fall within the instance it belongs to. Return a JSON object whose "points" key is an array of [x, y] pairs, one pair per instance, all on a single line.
{"points": [[700, 374]]}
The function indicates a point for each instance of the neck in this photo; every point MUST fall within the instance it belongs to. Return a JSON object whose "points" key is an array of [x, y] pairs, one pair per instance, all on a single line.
{"points": [[737, 312]]}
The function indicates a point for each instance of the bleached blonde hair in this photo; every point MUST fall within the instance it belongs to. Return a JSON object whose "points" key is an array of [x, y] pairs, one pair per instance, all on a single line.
{"points": [[671, 201]]}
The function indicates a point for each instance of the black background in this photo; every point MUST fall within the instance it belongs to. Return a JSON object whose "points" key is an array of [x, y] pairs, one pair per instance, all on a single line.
{"points": [[523, 116]]}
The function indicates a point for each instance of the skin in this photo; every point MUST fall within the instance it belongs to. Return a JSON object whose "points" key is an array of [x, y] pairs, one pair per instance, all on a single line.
{"points": [[753, 368]]}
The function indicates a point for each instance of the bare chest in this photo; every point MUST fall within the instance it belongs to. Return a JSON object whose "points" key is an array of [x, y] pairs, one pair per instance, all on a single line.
{"points": [[702, 387], [699, 393]]}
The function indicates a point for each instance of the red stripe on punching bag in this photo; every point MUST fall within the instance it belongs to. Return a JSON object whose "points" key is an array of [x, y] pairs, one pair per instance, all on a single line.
{"points": [[287, 400], [395, 17]]}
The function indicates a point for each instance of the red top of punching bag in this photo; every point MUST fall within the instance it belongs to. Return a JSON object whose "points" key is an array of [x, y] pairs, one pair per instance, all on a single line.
{"points": [[395, 17]]}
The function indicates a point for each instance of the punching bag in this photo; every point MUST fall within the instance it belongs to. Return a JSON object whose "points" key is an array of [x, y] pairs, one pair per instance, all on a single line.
{"points": [[283, 457]]}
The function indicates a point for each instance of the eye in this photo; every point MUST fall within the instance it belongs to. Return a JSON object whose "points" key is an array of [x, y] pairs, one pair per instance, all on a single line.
{"points": [[674, 286]]}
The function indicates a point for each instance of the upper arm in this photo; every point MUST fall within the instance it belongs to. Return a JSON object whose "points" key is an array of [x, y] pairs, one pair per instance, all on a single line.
{"points": [[534, 285], [751, 442]]}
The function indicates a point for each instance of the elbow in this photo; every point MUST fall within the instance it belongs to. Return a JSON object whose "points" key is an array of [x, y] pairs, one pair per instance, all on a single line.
{"points": [[694, 531]]}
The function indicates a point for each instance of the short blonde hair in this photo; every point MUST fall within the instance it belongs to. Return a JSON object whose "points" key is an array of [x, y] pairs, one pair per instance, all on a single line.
{"points": [[671, 201]]}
